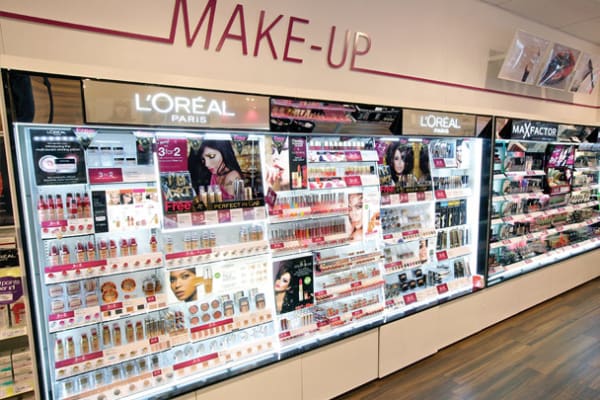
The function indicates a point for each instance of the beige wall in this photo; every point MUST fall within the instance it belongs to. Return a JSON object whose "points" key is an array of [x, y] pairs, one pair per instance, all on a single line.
{"points": [[459, 41]]}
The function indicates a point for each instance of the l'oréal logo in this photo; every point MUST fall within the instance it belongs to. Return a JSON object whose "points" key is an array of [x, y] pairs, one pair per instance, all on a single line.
{"points": [[438, 123], [181, 108]]}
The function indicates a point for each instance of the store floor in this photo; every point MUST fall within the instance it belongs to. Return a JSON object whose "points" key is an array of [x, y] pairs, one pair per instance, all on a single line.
{"points": [[551, 351]]}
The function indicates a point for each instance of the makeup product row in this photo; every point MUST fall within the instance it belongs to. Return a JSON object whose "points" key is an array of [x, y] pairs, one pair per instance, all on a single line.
{"points": [[348, 277], [317, 202], [409, 280], [84, 341], [91, 292], [315, 172], [450, 182], [585, 161], [339, 312], [216, 309], [442, 149], [507, 231], [402, 254], [581, 179], [336, 262], [450, 213], [219, 350], [449, 239], [69, 251], [110, 378], [52, 207], [523, 206], [581, 197], [514, 186], [310, 230], [310, 113], [520, 164], [325, 144], [401, 219]]}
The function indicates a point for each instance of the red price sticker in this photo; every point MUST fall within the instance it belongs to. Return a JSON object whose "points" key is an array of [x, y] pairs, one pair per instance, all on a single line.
{"points": [[442, 255], [403, 197], [352, 181], [321, 324], [353, 156], [439, 163], [420, 196], [440, 194], [443, 288], [409, 298]]}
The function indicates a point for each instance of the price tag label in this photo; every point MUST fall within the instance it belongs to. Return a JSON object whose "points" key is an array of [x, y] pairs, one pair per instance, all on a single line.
{"points": [[420, 196], [442, 255], [409, 298], [441, 289], [440, 194]]}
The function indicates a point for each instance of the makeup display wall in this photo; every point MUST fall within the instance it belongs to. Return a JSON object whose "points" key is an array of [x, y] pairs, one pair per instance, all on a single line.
{"points": [[172, 260], [324, 230], [544, 204], [138, 280], [430, 214]]}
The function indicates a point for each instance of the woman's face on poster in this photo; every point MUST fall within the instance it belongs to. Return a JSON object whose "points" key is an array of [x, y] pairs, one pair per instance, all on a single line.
{"points": [[213, 159], [283, 282], [398, 162]]}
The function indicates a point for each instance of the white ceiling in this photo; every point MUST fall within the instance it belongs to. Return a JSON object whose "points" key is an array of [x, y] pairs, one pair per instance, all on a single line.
{"points": [[580, 18]]}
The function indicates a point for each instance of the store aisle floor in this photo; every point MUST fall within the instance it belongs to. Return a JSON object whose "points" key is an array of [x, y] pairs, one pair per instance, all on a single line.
{"points": [[551, 351]]}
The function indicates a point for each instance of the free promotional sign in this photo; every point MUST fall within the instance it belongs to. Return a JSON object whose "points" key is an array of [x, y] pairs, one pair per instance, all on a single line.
{"points": [[132, 104]]}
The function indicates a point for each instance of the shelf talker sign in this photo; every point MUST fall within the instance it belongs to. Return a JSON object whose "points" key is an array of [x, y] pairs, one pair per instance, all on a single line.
{"points": [[133, 104]]}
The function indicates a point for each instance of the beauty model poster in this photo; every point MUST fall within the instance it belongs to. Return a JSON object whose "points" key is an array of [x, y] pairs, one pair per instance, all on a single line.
{"points": [[523, 59], [278, 162], [403, 166], [205, 174], [293, 284]]}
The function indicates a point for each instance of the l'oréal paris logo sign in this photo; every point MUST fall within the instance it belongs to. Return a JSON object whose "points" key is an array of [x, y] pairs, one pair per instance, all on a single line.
{"points": [[439, 124], [422, 122], [534, 130], [182, 109], [132, 104]]}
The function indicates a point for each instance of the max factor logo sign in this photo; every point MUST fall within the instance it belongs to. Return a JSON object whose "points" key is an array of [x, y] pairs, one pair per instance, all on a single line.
{"points": [[439, 124], [528, 130], [181, 109]]}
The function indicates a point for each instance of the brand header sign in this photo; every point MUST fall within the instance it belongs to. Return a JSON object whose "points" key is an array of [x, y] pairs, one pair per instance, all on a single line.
{"points": [[124, 103], [422, 122], [534, 130]]}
